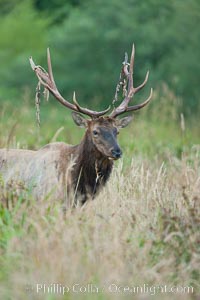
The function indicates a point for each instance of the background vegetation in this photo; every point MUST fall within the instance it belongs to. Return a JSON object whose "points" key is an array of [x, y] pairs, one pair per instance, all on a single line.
{"points": [[88, 40], [144, 227]]}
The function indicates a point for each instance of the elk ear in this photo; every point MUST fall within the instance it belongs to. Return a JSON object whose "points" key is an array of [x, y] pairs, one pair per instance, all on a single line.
{"points": [[79, 120], [121, 123]]}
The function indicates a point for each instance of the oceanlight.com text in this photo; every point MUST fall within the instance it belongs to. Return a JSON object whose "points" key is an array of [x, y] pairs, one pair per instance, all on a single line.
{"points": [[112, 288]]}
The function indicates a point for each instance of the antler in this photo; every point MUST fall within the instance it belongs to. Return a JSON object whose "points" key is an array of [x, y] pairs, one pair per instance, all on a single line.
{"points": [[128, 74], [47, 80]]}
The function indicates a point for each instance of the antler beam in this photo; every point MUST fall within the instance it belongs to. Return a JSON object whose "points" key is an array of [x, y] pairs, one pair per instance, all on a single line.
{"points": [[47, 80], [123, 107]]}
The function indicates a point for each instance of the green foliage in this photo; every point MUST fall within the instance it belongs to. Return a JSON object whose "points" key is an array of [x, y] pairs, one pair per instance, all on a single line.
{"points": [[180, 66], [95, 46], [57, 9], [90, 47], [88, 40], [22, 33], [7, 6], [8, 227]]}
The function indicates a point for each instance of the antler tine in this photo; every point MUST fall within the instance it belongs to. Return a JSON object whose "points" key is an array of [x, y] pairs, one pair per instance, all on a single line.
{"points": [[47, 80], [74, 100], [123, 107], [141, 105], [130, 76], [40, 73], [50, 66], [137, 89]]}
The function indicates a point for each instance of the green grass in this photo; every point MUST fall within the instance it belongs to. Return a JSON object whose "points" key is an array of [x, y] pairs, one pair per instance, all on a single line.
{"points": [[152, 132], [142, 229]]}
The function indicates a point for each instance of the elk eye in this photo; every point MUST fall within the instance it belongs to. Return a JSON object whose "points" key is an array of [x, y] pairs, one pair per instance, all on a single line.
{"points": [[116, 131], [95, 132]]}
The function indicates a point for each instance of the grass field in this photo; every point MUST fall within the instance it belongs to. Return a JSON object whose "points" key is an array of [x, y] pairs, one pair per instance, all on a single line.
{"points": [[139, 239]]}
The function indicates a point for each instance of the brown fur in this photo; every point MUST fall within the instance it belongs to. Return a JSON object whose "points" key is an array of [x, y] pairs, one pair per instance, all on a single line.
{"points": [[70, 173]]}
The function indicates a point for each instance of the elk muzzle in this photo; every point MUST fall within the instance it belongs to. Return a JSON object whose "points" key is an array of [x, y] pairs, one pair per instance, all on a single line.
{"points": [[116, 153]]}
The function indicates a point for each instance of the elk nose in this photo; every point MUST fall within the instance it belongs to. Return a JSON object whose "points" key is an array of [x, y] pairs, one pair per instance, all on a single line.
{"points": [[116, 153]]}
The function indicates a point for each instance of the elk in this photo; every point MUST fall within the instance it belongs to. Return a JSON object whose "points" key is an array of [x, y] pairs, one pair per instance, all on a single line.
{"points": [[81, 170]]}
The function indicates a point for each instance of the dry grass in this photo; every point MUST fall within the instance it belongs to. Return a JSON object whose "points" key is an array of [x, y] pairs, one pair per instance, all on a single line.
{"points": [[144, 228]]}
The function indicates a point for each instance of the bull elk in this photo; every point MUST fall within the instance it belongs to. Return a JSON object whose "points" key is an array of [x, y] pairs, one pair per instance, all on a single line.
{"points": [[81, 170]]}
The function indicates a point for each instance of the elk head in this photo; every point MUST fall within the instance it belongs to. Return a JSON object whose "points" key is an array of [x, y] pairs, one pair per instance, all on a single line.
{"points": [[102, 130], [103, 133]]}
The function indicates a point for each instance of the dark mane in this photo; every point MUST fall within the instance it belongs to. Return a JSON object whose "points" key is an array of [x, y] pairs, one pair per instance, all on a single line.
{"points": [[89, 164]]}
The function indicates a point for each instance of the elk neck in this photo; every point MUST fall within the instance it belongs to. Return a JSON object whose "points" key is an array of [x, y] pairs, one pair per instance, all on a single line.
{"points": [[92, 168]]}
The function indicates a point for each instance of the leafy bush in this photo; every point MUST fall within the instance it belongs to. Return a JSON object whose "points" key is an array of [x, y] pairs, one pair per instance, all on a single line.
{"points": [[88, 40], [89, 47], [23, 32]]}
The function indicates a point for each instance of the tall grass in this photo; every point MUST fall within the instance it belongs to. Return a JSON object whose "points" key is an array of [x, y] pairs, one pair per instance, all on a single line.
{"points": [[142, 229]]}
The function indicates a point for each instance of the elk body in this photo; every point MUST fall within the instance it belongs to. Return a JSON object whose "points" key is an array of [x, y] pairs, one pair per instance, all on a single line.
{"points": [[74, 173]]}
